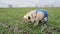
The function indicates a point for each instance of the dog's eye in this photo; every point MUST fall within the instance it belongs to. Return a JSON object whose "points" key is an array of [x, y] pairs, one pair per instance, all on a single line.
{"points": [[29, 17]]}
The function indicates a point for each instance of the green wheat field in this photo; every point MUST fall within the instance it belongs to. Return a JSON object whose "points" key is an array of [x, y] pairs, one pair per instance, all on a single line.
{"points": [[11, 21]]}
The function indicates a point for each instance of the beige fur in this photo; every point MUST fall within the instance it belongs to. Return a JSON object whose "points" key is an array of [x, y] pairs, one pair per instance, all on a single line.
{"points": [[32, 14], [39, 17]]}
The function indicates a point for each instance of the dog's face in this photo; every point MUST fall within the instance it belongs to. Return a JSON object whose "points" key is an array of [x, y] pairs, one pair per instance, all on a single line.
{"points": [[32, 17], [28, 18]]}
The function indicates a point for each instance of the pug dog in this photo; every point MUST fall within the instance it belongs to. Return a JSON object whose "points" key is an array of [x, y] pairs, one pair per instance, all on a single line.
{"points": [[36, 16]]}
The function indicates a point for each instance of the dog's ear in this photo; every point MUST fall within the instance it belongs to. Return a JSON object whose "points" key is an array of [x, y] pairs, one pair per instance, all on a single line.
{"points": [[29, 18]]}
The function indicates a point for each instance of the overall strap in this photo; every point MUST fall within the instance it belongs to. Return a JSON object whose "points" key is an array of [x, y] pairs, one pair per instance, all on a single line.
{"points": [[37, 11], [44, 11]]}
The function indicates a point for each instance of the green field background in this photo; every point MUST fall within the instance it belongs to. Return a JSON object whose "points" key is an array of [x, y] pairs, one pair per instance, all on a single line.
{"points": [[15, 15]]}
